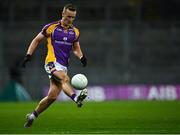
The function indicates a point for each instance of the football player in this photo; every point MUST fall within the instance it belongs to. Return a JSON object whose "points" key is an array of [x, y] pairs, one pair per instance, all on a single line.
{"points": [[62, 37]]}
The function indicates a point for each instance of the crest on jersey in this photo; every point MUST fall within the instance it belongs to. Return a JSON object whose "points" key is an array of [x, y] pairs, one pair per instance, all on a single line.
{"points": [[71, 32], [65, 38], [59, 29]]}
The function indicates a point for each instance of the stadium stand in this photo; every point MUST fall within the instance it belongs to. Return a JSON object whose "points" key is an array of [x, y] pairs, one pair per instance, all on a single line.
{"points": [[122, 47]]}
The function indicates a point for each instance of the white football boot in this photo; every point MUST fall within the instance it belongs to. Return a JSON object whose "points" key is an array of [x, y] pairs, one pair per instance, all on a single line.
{"points": [[29, 121], [83, 94]]}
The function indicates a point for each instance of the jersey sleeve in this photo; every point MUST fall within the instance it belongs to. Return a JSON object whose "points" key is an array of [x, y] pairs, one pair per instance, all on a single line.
{"points": [[77, 34], [46, 31]]}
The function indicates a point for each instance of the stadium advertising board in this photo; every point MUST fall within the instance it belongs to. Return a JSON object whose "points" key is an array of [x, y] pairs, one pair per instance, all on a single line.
{"points": [[130, 92]]}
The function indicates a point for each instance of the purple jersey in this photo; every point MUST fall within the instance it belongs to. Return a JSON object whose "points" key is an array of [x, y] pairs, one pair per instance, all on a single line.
{"points": [[60, 41]]}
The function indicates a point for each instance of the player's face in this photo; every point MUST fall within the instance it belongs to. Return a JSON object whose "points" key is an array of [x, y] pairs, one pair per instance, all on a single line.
{"points": [[68, 16]]}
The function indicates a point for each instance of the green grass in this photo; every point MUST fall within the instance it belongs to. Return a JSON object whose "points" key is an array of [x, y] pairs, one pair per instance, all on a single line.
{"points": [[115, 117]]}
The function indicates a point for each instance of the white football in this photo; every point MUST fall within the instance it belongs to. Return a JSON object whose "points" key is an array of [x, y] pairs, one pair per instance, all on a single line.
{"points": [[79, 81]]}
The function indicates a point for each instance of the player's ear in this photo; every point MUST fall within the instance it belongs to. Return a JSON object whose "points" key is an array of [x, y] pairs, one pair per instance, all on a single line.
{"points": [[62, 14]]}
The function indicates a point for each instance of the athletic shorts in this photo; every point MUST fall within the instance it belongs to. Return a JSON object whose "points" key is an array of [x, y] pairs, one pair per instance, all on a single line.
{"points": [[55, 66]]}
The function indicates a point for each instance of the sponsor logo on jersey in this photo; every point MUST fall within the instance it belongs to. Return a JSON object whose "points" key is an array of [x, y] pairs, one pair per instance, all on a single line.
{"points": [[63, 42]]}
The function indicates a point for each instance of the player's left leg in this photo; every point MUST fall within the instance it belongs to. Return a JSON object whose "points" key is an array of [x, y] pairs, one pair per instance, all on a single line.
{"points": [[67, 88], [59, 72], [83, 94]]}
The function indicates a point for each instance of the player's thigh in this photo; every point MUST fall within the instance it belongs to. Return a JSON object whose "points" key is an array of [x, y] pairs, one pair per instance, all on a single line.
{"points": [[61, 75], [55, 88], [56, 67]]}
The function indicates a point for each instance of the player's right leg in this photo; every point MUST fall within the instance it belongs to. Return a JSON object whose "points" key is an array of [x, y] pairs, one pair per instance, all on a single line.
{"points": [[54, 90], [53, 93]]}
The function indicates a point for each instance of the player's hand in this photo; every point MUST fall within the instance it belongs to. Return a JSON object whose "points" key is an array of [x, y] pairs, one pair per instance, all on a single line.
{"points": [[84, 61], [26, 59]]}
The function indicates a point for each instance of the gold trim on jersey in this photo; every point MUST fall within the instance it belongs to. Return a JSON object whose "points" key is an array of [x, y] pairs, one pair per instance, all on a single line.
{"points": [[76, 32], [50, 54]]}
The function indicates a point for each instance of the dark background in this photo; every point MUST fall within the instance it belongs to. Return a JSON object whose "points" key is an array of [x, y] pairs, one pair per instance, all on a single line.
{"points": [[125, 41]]}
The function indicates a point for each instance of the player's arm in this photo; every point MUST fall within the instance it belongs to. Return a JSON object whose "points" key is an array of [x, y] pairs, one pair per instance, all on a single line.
{"points": [[35, 42], [78, 53], [77, 50]]}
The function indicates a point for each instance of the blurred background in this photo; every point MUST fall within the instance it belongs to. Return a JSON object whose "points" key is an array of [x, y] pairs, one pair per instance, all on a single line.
{"points": [[132, 47]]}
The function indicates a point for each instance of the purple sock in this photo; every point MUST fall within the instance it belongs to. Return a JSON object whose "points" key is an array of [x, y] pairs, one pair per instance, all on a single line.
{"points": [[35, 113], [73, 96]]}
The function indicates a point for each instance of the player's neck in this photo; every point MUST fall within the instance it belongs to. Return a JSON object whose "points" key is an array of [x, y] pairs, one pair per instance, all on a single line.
{"points": [[64, 24]]}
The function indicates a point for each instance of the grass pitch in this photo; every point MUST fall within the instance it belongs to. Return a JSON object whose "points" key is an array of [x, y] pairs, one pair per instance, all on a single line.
{"points": [[147, 117]]}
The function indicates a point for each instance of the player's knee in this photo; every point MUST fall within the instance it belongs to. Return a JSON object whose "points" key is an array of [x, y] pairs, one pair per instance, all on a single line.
{"points": [[65, 79], [51, 98]]}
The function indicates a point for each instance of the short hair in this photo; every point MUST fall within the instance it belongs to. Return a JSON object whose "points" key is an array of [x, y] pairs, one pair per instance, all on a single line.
{"points": [[71, 7]]}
